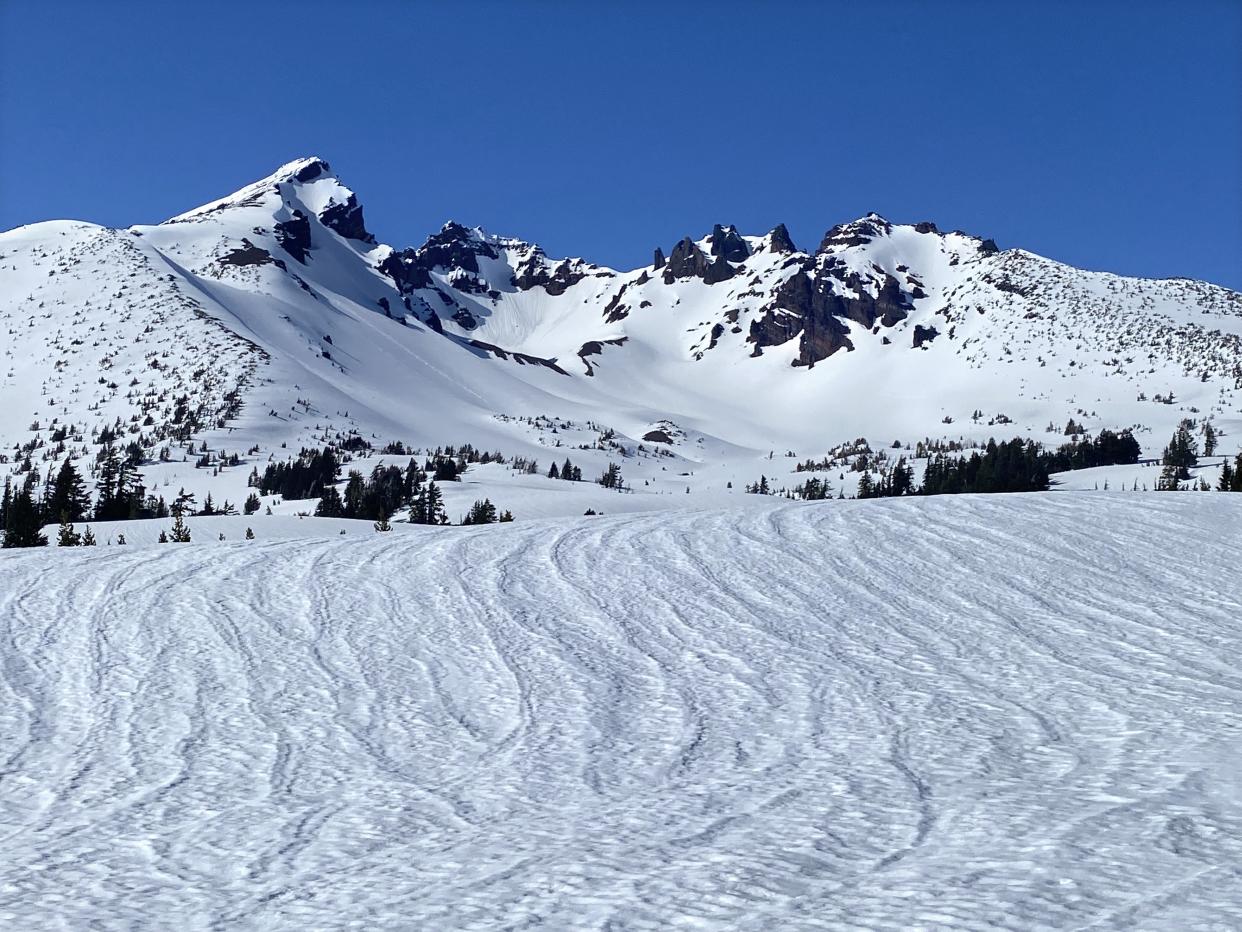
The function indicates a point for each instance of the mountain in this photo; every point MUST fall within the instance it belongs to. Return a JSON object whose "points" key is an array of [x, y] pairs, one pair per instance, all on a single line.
{"points": [[238, 332]]}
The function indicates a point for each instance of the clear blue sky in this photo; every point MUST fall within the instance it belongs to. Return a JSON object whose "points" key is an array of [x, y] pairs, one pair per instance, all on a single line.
{"points": [[1108, 135]]}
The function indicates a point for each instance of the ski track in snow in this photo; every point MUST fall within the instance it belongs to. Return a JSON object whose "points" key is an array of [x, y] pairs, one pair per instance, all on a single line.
{"points": [[1007, 712]]}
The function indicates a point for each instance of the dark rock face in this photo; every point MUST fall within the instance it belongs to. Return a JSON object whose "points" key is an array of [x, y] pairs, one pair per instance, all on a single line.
{"points": [[345, 218], [454, 247], [890, 305], [1006, 285], [924, 335], [727, 244], [718, 271], [807, 306], [250, 254], [535, 272], [685, 261], [405, 270], [614, 310], [820, 339], [595, 348], [857, 233], [467, 283], [773, 329], [294, 236], [780, 240], [657, 436], [311, 170], [925, 227], [988, 247], [658, 261], [810, 302], [522, 359], [714, 338]]}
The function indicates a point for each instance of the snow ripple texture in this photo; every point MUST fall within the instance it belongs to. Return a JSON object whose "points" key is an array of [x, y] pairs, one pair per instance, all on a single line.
{"points": [[1013, 712]]}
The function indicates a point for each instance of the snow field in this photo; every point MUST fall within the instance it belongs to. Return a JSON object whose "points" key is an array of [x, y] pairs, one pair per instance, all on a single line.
{"points": [[1006, 712]]}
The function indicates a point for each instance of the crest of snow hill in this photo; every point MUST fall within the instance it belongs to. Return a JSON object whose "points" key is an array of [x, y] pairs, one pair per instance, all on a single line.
{"points": [[272, 320]]}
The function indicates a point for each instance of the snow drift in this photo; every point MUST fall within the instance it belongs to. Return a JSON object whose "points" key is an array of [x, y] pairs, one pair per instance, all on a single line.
{"points": [[1005, 712]]}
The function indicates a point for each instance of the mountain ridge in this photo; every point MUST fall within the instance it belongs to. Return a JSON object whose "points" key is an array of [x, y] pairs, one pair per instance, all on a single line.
{"points": [[272, 319]]}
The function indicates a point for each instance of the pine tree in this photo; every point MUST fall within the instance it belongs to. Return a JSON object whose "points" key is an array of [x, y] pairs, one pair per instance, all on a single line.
{"points": [[252, 504], [22, 527], [355, 496], [68, 537], [382, 524], [418, 508], [1209, 439], [68, 493], [611, 479], [505, 517], [482, 512], [180, 533], [435, 505], [1181, 453], [163, 539], [866, 486], [330, 504], [249, 534], [120, 540], [1169, 478], [183, 503], [6, 501], [554, 472], [88, 537], [1231, 476]]}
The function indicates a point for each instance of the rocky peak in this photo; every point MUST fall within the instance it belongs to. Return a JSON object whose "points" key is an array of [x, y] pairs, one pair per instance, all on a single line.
{"points": [[779, 240], [727, 243], [686, 260], [345, 218], [455, 247], [855, 233], [304, 170]]}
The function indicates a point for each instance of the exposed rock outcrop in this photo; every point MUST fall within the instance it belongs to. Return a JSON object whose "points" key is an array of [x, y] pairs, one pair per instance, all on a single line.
{"points": [[294, 236], [345, 219], [595, 348], [924, 335], [686, 260], [534, 271], [728, 244], [250, 254], [779, 240]]}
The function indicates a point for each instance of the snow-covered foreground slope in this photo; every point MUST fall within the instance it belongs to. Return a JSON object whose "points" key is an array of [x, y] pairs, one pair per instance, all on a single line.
{"points": [[1011, 712]]}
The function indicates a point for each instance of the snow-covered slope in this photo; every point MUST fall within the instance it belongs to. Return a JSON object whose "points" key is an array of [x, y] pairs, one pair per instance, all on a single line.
{"points": [[1004, 712], [271, 320]]}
